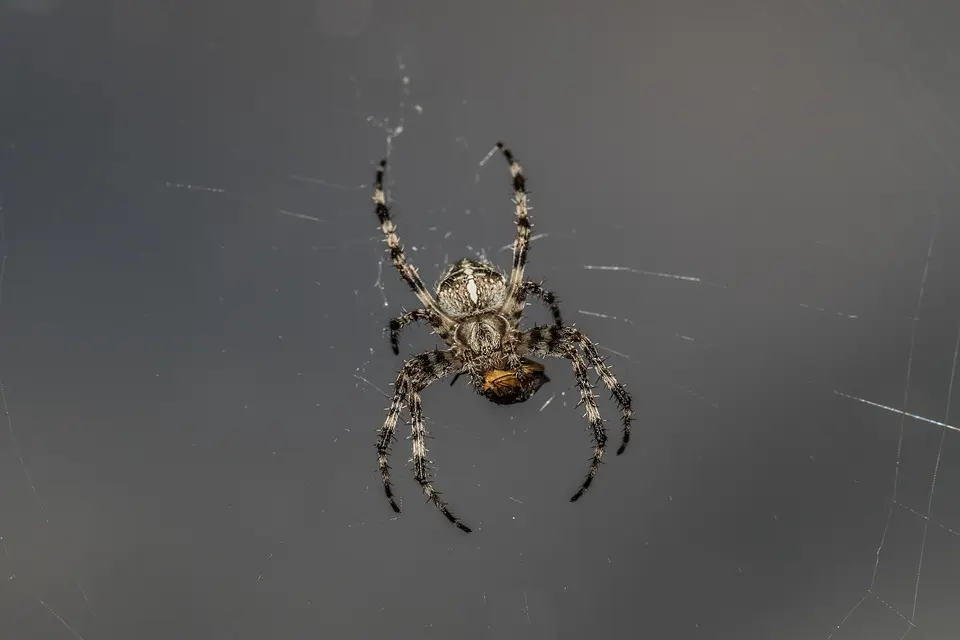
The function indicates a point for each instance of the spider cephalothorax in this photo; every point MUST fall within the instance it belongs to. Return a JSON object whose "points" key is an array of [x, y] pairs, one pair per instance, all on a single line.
{"points": [[477, 313]]}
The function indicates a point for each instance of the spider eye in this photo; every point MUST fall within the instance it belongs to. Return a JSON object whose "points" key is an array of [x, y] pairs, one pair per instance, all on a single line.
{"points": [[509, 386]]}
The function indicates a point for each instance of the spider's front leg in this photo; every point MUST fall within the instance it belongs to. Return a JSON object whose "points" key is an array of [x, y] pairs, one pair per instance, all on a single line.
{"points": [[399, 259], [518, 289], [521, 244], [416, 375]]}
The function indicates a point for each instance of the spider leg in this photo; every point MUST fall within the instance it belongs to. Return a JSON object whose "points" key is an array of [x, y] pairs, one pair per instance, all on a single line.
{"points": [[589, 400], [617, 390], [416, 375], [407, 270], [421, 466], [522, 243], [547, 297], [398, 323], [386, 436], [566, 342]]}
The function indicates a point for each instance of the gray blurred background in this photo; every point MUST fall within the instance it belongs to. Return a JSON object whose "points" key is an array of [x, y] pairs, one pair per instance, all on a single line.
{"points": [[751, 206]]}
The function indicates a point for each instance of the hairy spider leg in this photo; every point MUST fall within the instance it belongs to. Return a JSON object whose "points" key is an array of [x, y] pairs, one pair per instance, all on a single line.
{"points": [[516, 291], [397, 324], [421, 465], [407, 270], [417, 373], [567, 342], [547, 297]]}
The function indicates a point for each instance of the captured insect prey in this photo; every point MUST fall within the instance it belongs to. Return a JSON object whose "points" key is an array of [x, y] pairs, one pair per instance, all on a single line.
{"points": [[505, 386], [476, 310]]}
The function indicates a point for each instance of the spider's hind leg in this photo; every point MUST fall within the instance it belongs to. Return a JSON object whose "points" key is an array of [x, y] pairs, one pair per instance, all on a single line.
{"points": [[568, 342], [416, 375], [421, 466]]}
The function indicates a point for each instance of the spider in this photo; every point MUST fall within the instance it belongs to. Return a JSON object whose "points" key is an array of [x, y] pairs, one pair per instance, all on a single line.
{"points": [[476, 311]]}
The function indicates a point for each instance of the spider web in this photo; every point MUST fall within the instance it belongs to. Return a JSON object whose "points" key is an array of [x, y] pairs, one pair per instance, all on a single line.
{"points": [[898, 553], [891, 451]]}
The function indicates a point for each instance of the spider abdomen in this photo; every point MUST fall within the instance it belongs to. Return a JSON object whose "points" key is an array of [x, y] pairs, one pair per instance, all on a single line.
{"points": [[470, 287]]}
